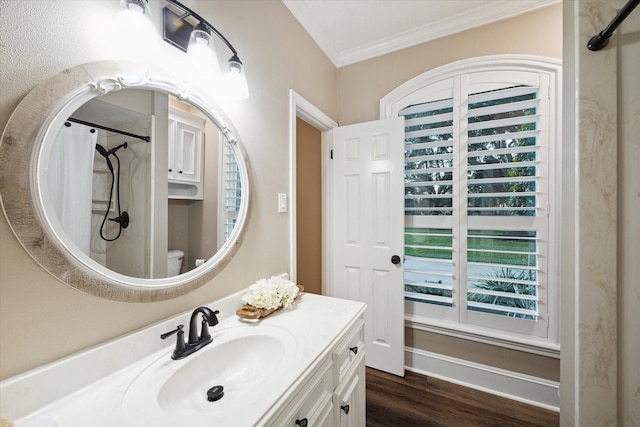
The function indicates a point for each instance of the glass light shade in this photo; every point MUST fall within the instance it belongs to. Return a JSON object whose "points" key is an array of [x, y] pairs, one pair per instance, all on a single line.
{"points": [[235, 79], [133, 35], [202, 54], [140, 7]]}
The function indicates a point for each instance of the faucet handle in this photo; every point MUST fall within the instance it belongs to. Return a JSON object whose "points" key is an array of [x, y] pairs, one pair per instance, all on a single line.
{"points": [[180, 344], [168, 334]]}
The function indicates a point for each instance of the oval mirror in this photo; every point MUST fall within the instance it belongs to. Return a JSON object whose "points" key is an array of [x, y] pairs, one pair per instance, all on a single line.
{"points": [[139, 187]]}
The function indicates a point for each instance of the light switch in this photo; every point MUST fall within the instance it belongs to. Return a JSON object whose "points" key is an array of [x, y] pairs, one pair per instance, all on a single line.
{"points": [[282, 202]]}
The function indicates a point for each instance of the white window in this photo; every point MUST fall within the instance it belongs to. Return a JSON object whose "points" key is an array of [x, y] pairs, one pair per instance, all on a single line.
{"points": [[230, 192], [480, 198]]}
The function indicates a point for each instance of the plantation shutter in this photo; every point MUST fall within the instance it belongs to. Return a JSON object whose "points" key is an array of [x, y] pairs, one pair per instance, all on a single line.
{"points": [[429, 190], [503, 174], [231, 191], [429, 158], [502, 151], [476, 197]]}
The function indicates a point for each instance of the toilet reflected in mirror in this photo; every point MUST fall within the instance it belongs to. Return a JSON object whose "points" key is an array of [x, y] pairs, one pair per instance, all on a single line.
{"points": [[174, 262]]}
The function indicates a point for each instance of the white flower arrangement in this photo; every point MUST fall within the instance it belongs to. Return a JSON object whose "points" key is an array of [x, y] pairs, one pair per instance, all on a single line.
{"points": [[271, 293]]}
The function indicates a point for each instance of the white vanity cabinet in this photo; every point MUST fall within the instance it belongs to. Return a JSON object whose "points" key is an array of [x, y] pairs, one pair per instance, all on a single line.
{"points": [[184, 157], [320, 338], [335, 393]]}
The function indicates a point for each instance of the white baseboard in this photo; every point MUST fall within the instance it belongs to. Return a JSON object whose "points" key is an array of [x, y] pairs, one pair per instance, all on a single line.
{"points": [[512, 385]]}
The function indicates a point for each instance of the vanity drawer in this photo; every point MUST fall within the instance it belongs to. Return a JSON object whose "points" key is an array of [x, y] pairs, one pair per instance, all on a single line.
{"points": [[349, 400], [313, 403], [325, 416], [347, 352]]}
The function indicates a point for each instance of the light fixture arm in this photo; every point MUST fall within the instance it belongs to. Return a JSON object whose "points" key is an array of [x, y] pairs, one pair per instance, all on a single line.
{"points": [[202, 21]]}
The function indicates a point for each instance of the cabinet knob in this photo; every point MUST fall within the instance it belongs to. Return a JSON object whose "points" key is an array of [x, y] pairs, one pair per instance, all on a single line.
{"points": [[170, 170], [303, 422], [354, 349], [179, 171], [345, 408]]}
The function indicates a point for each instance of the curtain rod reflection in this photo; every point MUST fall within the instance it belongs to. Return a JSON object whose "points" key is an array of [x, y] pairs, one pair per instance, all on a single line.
{"points": [[132, 135]]}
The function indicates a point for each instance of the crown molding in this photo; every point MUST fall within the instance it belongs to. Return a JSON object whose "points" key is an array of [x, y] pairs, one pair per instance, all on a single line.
{"points": [[496, 11]]}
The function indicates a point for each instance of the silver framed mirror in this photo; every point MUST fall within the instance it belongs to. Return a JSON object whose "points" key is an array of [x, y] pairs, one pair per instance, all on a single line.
{"points": [[30, 196]]}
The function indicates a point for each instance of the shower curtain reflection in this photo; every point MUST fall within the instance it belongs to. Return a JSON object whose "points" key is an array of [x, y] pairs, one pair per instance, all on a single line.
{"points": [[70, 181], [118, 117]]}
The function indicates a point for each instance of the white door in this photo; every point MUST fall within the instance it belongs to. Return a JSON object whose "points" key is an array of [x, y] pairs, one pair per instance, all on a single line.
{"points": [[367, 233]]}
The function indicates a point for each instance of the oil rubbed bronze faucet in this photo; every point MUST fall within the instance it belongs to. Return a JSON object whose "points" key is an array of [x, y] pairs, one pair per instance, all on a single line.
{"points": [[196, 342]]}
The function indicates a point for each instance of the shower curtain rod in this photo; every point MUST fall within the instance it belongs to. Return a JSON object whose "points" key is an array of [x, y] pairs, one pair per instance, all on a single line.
{"points": [[132, 135], [600, 40]]}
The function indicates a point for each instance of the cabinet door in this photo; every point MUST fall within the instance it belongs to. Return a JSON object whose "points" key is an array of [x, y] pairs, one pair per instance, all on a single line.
{"points": [[349, 399], [171, 146], [188, 146]]}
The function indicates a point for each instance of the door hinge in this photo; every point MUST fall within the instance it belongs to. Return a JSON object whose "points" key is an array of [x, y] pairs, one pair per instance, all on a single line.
{"points": [[331, 154]]}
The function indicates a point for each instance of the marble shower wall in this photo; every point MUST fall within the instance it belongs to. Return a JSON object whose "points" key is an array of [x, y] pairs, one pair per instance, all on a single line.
{"points": [[629, 221], [596, 279], [600, 384]]}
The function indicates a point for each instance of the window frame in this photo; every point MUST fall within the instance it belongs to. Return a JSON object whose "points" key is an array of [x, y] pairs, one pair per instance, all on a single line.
{"points": [[224, 213], [425, 87]]}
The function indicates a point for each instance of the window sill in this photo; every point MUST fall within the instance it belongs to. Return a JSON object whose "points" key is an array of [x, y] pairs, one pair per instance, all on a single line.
{"points": [[481, 335]]}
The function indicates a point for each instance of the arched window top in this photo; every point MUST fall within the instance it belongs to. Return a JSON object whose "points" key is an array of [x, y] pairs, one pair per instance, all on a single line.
{"points": [[413, 90]]}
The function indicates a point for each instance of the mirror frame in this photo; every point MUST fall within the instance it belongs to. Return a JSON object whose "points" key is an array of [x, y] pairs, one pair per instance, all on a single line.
{"points": [[22, 146]]}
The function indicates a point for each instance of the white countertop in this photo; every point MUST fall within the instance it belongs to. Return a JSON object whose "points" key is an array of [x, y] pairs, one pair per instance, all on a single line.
{"points": [[87, 389]]}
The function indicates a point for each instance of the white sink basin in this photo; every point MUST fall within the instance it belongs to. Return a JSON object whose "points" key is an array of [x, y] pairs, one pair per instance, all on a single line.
{"points": [[246, 360]]}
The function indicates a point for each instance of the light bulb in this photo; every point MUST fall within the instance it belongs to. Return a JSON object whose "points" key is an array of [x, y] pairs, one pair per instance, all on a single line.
{"points": [[134, 33], [235, 79], [202, 54], [140, 7]]}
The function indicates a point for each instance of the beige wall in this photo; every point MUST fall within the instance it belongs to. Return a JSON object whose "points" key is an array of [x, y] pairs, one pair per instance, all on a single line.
{"points": [[486, 354], [41, 319], [309, 207], [360, 87]]}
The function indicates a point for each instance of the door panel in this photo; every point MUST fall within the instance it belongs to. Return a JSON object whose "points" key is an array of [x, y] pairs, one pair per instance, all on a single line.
{"points": [[368, 221]]}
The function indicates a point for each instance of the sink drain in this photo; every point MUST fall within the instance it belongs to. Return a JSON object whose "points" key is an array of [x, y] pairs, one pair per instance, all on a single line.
{"points": [[215, 393]]}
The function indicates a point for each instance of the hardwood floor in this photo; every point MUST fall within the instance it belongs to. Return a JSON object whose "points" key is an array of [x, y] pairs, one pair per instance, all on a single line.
{"points": [[417, 400]]}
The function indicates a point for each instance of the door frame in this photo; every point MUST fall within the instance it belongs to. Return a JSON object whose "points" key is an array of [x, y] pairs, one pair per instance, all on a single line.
{"points": [[303, 109]]}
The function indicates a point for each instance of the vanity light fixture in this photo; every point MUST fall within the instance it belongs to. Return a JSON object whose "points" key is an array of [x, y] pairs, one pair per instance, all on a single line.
{"points": [[189, 38]]}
